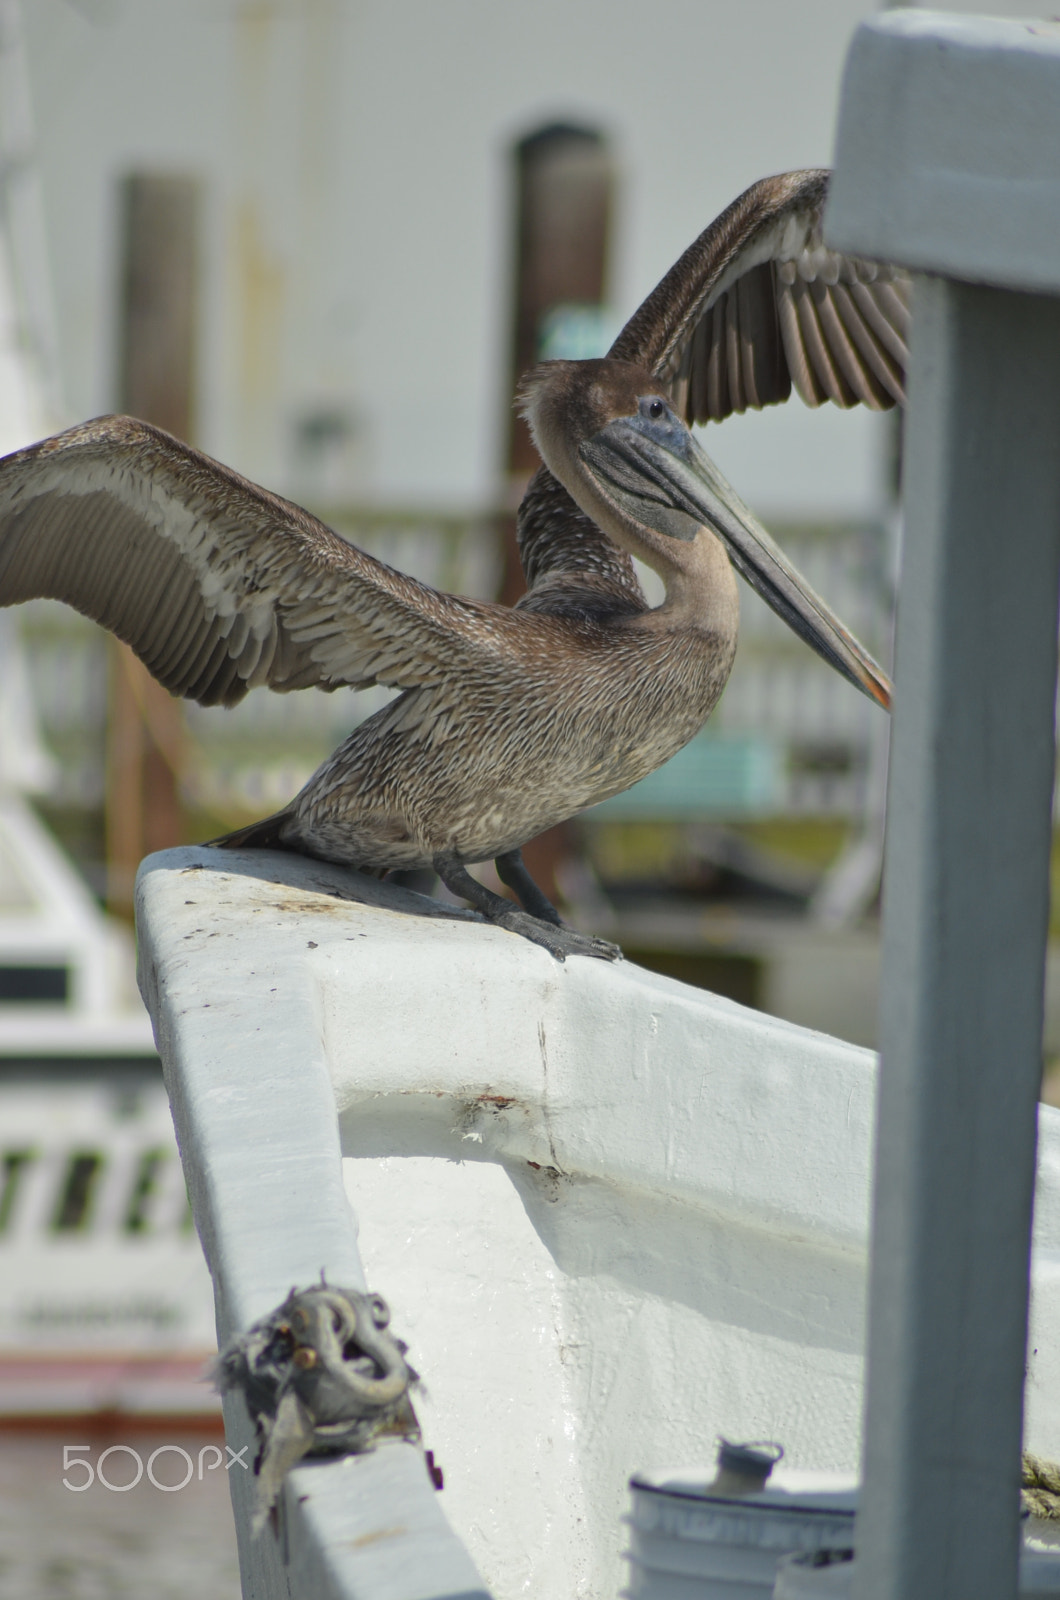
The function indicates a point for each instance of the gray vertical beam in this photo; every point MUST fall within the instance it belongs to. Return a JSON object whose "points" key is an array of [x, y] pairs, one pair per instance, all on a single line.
{"points": [[966, 911], [946, 164]]}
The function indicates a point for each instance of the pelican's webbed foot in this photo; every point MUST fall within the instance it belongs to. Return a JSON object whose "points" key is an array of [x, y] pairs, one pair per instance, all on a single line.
{"points": [[538, 921]]}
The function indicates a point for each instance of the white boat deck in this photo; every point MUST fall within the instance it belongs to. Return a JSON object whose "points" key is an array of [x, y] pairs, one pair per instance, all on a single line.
{"points": [[614, 1216]]}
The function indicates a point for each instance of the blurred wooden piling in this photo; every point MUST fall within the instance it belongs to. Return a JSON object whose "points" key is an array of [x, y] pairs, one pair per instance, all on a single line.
{"points": [[156, 372], [565, 181]]}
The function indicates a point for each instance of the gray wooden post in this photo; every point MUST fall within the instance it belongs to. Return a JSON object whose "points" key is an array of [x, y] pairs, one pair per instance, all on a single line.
{"points": [[967, 887], [941, 166]]}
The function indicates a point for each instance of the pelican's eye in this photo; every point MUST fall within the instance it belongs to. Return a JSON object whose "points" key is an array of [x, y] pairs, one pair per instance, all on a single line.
{"points": [[656, 409]]}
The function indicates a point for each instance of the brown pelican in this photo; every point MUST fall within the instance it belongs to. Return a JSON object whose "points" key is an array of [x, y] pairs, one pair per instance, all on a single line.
{"points": [[509, 719]]}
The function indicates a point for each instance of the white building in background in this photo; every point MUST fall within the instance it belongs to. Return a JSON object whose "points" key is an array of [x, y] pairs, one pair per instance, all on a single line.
{"points": [[356, 254]]}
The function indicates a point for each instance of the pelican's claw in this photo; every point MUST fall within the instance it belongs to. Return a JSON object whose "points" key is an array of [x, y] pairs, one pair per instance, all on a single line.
{"points": [[559, 941]]}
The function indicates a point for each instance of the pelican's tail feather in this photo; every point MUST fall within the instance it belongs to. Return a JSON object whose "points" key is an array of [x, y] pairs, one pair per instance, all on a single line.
{"points": [[263, 835]]}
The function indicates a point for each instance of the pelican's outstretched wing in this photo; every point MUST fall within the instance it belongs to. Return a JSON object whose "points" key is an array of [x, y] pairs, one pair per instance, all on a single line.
{"points": [[216, 584], [758, 306]]}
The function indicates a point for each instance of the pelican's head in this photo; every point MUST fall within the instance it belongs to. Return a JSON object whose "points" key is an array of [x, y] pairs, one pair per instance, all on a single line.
{"points": [[609, 433]]}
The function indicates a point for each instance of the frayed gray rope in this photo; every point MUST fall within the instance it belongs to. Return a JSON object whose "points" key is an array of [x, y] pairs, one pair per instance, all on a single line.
{"points": [[1040, 1486], [322, 1375]]}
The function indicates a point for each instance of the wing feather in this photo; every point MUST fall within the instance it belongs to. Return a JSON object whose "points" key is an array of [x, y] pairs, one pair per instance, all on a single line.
{"points": [[887, 314], [803, 376], [875, 360], [733, 366], [859, 380], [750, 336], [715, 401], [772, 378], [817, 351], [185, 609], [217, 585]]}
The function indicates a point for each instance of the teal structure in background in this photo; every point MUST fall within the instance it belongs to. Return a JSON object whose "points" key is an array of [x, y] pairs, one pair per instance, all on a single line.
{"points": [[717, 773]]}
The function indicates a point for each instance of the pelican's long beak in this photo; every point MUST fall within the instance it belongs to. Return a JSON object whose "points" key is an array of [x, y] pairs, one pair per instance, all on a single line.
{"points": [[659, 474]]}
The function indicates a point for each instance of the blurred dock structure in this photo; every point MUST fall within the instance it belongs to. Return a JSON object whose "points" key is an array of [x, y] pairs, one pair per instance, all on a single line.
{"points": [[104, 1305]]}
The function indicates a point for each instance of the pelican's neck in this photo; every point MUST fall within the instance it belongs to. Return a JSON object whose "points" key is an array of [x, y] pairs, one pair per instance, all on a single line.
{"points": [[701, 593]]}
